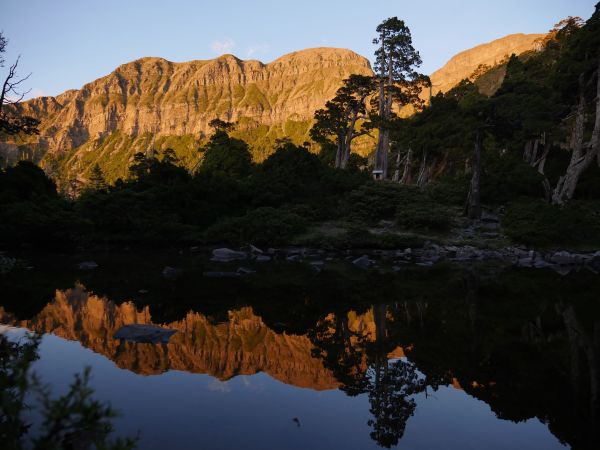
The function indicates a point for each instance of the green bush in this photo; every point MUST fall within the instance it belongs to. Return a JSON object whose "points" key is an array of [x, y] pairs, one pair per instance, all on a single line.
{"points": [[506, 177], [424, 215], [537, 223], [227, 156], [449, 190], [407, 205], [375, 201], [261, 226]]}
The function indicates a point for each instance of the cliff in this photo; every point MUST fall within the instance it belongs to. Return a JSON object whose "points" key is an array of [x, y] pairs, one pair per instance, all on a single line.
{"points": [[490, 54], [108, 120]]}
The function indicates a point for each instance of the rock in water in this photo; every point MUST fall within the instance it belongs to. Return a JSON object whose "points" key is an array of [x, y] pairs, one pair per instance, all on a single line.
{"points": [[144, 333], [171, 273], [216, 274], [363, 262], [226, 255]]}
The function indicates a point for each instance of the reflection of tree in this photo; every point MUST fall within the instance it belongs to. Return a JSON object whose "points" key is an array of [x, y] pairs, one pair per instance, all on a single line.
{"points": [[584, 356], [363, 367], [391, 385], [342, 351]]}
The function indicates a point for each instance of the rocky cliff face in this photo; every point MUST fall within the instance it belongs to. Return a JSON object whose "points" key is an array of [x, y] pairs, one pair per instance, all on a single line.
{"points": [[108, 120], [243, 345], [490, 54], [162, 98]]}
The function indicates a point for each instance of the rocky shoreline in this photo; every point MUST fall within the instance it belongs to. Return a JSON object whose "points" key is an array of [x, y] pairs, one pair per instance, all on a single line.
{"points": [[562, 262]]}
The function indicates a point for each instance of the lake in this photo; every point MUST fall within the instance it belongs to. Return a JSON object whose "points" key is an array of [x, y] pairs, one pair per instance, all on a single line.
{"points": [[323, 356]]}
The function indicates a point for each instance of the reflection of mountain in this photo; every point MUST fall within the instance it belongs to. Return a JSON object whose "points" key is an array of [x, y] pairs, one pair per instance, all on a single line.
{"points": [[244, 345]]}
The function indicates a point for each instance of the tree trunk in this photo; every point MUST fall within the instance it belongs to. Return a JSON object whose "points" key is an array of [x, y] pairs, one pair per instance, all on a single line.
{"points": [[396, 177], [582, 155], [474, 200], [407, 174], [379, 151], [527, 152], [422, 178], [339, 154]]}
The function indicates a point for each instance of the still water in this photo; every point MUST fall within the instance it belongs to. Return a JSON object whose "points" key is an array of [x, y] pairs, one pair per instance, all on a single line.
{"points": [[294, 358]]}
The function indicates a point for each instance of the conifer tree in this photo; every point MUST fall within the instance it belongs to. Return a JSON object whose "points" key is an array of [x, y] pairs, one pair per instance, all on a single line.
{"points": [[339, 118], [97, 180], [396, 64]]}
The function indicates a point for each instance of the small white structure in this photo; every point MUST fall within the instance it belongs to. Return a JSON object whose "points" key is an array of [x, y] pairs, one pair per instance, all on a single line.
{"points": [[378, 174]]}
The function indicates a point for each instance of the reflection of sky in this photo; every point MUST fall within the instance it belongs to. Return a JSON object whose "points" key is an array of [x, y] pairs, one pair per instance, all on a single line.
{"points": [[178, 410]]}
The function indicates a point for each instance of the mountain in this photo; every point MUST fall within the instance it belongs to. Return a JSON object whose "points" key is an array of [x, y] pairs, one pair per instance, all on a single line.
{"points": [[489, 55], [152, 99], [109, 119]]}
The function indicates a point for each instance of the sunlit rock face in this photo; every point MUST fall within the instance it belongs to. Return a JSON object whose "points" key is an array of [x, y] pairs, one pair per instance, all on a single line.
{"points": [[491, 54], [153, 95], [243, 345], [152, 101]]}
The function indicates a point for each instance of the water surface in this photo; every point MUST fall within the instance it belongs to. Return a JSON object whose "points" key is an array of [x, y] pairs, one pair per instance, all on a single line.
{"points": [[294, 358]]}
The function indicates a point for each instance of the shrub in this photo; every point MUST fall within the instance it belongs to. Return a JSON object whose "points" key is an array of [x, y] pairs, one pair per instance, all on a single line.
{"points": [[507, 177], [227, 156], [424, 215], [261, 226], [537, 223]]}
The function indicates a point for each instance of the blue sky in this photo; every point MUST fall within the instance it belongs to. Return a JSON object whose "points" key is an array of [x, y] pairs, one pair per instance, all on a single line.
{"points": [[67, 43]]}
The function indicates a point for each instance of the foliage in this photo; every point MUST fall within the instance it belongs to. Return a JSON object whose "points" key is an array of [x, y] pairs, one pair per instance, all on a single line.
{"points": [[338, 120], [506, 177], [226, 155], [409, 207], [261, 226], [97, 181], [537, 223], [74, 420]]}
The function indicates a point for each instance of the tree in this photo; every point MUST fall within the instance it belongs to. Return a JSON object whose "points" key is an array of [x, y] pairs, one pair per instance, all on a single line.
{"points": [[75, 420], [396, 61], [10, 121], [97, 180], [582, 59], [338, 120], [221, 125], [225, 155]]}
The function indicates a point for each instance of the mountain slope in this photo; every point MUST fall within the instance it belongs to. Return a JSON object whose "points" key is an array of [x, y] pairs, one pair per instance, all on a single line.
{"points": [[108, 120], [156, 96], [490, 54]]}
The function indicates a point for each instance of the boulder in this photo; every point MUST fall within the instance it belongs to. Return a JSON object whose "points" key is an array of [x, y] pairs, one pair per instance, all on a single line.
{"points": [[87, 265], [144, 333], [565, 259], [255, 250], [217, 274], [226, 255], [363, 262], [243, 271], [171, 273]]}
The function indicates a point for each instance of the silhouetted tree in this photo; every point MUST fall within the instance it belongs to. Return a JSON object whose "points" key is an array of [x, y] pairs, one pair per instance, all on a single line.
{"points": [[97, 180], [339, 118], [225, 155], [396, 61], [10, 121], [221, 125]]}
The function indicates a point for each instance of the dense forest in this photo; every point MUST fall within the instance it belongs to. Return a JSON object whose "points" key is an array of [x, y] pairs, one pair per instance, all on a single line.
{"points": [[528, 155]]}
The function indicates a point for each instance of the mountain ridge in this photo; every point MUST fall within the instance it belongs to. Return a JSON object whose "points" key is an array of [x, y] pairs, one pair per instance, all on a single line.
{"points": [[109, 119]]}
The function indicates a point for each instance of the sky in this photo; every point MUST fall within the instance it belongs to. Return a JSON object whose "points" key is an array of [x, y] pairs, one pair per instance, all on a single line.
{"points": [[67, 43]]}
